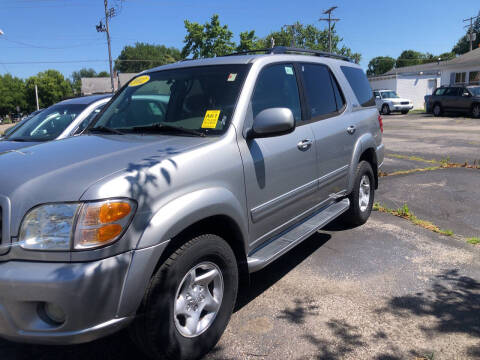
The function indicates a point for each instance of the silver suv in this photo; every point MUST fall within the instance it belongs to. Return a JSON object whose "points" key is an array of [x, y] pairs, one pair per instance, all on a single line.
{"points": [[193, 176]]}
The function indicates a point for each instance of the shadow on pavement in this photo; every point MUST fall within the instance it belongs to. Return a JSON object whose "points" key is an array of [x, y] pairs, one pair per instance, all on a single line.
{"points": [[452, 299]]}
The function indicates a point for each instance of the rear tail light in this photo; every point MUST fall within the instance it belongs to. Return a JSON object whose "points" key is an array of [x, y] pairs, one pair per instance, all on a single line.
{"points": [[380, 122]]}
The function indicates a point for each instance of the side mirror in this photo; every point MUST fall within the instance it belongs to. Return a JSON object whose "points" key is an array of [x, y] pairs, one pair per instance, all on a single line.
{"points": [[466, 94], [272, 122], [377, 97]]}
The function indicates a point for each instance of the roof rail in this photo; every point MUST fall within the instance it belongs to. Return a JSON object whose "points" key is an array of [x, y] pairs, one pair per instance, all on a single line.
{"points": [[293, 50]]}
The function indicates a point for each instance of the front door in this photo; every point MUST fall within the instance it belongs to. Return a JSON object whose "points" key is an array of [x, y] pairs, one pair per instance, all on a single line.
{"points": [[280, 171]]}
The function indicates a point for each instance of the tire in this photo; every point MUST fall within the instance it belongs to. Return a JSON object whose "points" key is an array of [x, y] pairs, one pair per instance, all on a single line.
{"points": [[404, 112], [385, 109], [358, 214], [476, 111], [437, 110], [161, 331]]}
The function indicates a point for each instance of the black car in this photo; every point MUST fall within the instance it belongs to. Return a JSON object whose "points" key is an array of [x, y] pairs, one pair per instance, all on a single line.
{"points": [[458, 99]]}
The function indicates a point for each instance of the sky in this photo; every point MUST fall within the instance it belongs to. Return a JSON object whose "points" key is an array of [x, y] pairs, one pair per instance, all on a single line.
{"points": [[61, 34]]}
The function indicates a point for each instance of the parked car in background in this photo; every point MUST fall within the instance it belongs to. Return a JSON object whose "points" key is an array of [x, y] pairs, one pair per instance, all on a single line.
{"points": [[388, 101], [455, 99], [15, 127], [59, 121], [197, 174]]}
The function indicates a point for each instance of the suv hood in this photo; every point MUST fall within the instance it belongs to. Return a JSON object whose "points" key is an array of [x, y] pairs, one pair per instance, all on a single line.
{"points": [[63, 170], [6, 145]]}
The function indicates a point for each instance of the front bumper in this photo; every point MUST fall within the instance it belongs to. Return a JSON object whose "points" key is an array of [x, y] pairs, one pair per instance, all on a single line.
{"points": [[401, 107], [88, 293]]}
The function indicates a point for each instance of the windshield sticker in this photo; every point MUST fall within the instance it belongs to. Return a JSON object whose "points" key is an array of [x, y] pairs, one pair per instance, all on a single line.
{"points": [[232, 77], [210, 120], [288, 70], [139, 80]]}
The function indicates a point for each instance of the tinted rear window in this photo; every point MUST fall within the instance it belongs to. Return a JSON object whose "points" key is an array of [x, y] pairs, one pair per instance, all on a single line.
{"points": [[360, 85]]}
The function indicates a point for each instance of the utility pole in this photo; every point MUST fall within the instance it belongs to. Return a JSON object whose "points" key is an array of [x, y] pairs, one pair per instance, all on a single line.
{"points": [[329, 19], [292, 28], [470, 34], [36, 96], [109, 13]]}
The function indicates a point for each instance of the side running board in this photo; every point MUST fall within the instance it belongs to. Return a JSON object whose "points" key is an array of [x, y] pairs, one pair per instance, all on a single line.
{"points": [[265, 254]]}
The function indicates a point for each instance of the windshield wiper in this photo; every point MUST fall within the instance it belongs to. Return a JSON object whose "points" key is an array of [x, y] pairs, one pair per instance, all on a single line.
{"points": [[163, 127], [106, 129]]}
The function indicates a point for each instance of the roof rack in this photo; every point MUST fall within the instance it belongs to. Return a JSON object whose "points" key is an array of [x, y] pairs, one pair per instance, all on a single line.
{"points": [[293, 50]]}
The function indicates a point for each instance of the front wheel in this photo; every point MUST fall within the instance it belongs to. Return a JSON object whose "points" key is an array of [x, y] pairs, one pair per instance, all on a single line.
{"points": [[385, 109], [437, 110], [189, 302], [362, 195], [476, 111]]}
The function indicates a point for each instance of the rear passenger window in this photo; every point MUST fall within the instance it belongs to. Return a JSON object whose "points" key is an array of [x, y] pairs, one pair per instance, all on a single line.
{"points": [[360, 85], [440, 91], [277, 87], [319, 90]]}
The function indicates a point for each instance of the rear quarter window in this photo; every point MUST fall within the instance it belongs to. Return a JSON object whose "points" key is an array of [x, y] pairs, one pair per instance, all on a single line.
{"points": [[360, 85]]}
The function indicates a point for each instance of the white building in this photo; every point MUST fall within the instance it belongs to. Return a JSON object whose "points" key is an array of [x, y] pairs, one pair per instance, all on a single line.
{"points": [[463, 70], [414, 82]]}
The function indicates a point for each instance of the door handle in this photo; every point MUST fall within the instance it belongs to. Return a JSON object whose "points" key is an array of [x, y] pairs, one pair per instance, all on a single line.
{"points": [[304, 144], [351, 129]]}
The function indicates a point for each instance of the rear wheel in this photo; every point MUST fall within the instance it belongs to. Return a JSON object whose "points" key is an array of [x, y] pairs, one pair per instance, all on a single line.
{"points": [[476, 111], [437, 110], [385, 109], [189, 302], [362, 195], [404, 112]]}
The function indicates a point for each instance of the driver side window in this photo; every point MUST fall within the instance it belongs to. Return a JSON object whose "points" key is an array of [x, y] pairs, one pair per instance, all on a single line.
{"points": [[277, 87]]}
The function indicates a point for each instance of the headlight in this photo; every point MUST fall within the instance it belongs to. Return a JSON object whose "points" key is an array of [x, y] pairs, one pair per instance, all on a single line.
{"points": [[75, 226]]}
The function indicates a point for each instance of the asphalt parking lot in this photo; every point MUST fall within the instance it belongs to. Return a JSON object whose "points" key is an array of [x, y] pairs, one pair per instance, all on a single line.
{"points": [[387, 290]]}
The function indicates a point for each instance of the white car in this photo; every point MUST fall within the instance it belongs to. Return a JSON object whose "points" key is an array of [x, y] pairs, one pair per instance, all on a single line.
{"points": [[388, 101]]}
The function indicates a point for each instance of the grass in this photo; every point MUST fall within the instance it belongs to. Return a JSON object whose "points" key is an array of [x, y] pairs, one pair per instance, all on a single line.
{"points": [[444, 163], [417, 111], [474, 240], [405, 213]]}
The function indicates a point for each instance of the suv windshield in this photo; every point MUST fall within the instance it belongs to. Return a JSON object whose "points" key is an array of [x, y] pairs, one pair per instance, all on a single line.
{"points": [[389, 95], [475, 90], [201, 99], [48, 124]]}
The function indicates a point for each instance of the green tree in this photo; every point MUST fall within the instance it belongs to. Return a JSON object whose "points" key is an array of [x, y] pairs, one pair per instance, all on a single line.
{"points": [[12, 94], [52, 87], [308, 37], [411, 57], [208, 40], [248, 41], [463, 45], [380, 65], [142, 56]]}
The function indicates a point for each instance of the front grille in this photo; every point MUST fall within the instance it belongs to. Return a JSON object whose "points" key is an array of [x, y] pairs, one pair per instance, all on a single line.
{"points": [[404, 103]]}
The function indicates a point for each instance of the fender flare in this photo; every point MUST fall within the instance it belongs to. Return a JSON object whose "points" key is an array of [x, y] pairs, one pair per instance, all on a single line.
{"points": [[364, 142], [167, 222]]}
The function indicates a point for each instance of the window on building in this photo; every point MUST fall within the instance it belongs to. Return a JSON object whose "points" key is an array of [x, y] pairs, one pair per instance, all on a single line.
{"points": [[474, 78], [460, 78]]}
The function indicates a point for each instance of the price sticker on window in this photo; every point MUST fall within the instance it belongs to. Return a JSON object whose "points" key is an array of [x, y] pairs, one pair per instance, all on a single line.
{"points": [[211, 119]]}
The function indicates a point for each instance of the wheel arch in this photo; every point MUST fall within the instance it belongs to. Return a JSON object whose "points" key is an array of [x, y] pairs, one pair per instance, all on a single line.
{"points": [[365, 149]]}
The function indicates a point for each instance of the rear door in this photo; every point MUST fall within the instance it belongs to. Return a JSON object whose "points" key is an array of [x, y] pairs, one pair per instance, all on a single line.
{"points": [[325, 105], [280, 171]]}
